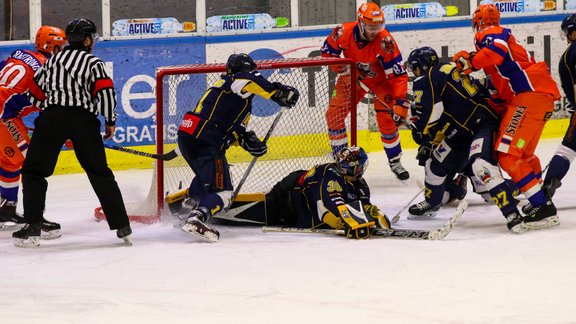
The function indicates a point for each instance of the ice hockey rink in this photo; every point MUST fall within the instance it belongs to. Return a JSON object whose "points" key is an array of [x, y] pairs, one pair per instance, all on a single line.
{"points": [[480, 273]]}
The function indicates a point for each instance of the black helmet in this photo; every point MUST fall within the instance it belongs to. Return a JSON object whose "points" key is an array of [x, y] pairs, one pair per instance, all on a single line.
{"points": [[569, 24], [240, 63], [423, 57], [77, 30], [352, 161]]}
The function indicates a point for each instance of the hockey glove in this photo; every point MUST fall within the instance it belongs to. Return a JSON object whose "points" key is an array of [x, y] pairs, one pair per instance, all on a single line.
{"points": [[285, 96], [424, 153], [570, 108], [380, 219], [357, 221], [463, 60], [400, 111], [252, 144], [358, 233]]}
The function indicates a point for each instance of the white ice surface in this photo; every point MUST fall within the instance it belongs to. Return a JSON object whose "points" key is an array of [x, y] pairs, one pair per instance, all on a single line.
{"points": [[480, 273]]}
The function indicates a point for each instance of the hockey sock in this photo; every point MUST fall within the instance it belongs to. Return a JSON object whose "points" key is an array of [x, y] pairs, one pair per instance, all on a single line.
{"points": [[558, 168]]}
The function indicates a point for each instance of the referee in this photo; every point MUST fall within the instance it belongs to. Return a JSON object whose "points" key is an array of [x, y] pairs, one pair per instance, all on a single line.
{"points": [[71, 88]]}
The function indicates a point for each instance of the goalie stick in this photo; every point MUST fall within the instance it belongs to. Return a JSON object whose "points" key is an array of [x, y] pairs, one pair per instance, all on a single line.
{"points": [[434, 234], [165, 157]]}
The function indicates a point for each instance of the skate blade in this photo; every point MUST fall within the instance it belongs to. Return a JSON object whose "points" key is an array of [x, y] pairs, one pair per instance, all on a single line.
{"points": [[207, 236], [31, 242], [426, 216], [542, 224], [5, 226], [520, 228], [50, 235]]}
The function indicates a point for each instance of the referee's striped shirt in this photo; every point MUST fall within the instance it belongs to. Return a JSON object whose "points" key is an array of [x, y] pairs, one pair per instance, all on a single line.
{"points": [[75, 78]]}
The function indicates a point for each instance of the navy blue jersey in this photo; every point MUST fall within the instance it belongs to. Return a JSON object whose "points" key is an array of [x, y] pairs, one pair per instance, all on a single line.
{"points": [[449, 102], [325, 189], [225, 108], [567, 71]]}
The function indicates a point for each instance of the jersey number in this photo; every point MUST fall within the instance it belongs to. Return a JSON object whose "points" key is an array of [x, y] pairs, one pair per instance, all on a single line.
{"points": [[9, 71], [333, 186]]}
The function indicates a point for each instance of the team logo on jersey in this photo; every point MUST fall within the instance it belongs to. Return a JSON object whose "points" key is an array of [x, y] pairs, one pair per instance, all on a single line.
{"points": [[337, 33], [366, 69], [387, 44], [516, 120]]}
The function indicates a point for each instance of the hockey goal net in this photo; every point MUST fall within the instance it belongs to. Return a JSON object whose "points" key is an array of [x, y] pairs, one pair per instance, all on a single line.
{"points": [[299, 140]]}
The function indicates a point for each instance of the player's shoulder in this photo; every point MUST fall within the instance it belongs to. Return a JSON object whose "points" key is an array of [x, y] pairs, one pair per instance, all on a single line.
{"points": [[343, 31], [492, 31]]}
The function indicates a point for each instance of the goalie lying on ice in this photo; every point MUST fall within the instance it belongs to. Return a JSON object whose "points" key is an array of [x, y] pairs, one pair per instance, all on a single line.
{"points": [[332, 195]]}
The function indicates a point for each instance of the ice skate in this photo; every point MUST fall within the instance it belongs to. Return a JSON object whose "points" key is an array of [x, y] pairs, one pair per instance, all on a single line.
{"points": [[195, 225], [515, 223], [9, 218], [542, 217], [49, 230], [398, 169], [124, 233], [28, 236], [422, 210]]}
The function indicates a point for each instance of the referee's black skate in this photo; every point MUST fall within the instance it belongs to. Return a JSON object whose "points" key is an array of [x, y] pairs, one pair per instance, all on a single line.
{"points": [[398, 169], [195, 225], [28, 236], [423, 210], [49, 230], [125, 233]]}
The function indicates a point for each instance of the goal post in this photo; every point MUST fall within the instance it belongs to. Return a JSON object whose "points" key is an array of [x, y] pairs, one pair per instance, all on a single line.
{"points": [[299, 141]]}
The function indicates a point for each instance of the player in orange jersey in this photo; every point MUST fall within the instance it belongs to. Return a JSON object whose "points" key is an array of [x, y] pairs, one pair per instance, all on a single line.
{"points": [[379, 62], [16, 75], [527, 92]]}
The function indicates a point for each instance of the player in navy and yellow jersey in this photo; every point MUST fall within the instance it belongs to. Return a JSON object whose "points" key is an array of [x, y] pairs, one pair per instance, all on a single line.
{"points": [[219, 119], [379, 62], [16, 77], [566, 151], [453, 111], [332, 195], [528, 93]]}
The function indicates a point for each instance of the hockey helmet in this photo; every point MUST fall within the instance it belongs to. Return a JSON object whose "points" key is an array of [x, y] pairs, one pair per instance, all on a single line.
{"points": [[370, 18], [352, 161], [569, 24], [77, 30], [423, 58], [50, 37], [240, 63], [485, 15]]}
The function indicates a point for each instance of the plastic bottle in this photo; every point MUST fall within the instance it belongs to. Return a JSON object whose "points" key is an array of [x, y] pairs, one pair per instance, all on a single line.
{"points": [[417, 11], [506, 6], [244, 22], [145, 26]]}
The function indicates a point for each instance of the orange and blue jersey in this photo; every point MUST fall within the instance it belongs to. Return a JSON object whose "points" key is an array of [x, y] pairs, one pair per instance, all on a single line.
{"points": [[16, 77], [512, 69], [381, 56]]}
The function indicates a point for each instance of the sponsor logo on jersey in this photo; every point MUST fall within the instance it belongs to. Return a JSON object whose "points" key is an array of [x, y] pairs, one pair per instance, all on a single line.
{"points": [[8, 151], [16, 136], [516, 120]]}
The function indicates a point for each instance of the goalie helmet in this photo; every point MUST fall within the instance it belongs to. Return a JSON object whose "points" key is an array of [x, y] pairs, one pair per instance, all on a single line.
{"points": [[48, 38], [77, 30], [352, 161], [485, 15], [240, 63], [424, 58], [569, 24]]}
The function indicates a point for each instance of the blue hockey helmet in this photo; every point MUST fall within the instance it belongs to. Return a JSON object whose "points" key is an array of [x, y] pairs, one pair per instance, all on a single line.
{"points": [[569, 24], [240, 63], [352, 161], [423, 57]]}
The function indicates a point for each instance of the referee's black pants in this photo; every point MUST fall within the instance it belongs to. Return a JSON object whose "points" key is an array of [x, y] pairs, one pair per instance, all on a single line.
{"points": [[52, 128]]}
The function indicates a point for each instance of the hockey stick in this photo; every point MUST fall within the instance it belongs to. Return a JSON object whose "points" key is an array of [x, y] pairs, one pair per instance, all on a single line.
{"points": [[388, 109], [435, 234], [165, 157], [396, 217], [253, 162]]}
